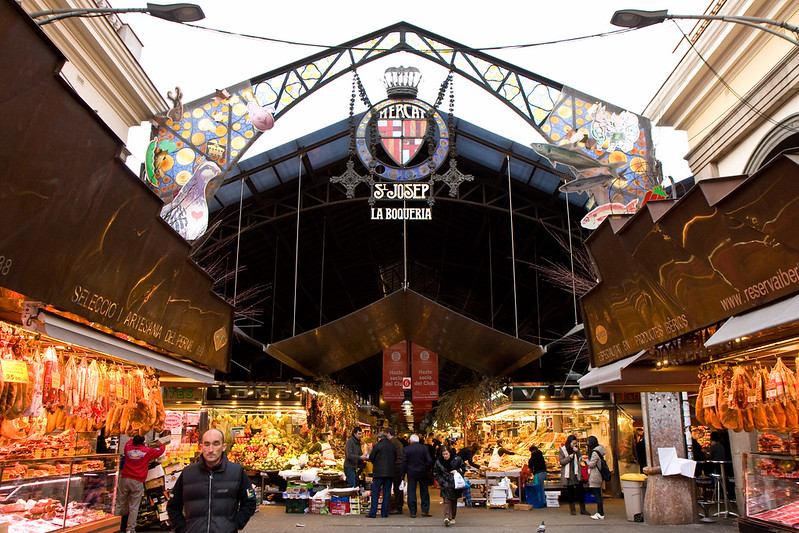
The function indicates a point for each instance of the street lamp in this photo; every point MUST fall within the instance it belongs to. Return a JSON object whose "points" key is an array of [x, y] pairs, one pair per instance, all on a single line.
{"points": [[170, 12], [636, 18]]}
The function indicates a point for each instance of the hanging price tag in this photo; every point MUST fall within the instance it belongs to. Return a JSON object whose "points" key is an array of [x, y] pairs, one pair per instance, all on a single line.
{"points": [[710, 397], [14, 371]]}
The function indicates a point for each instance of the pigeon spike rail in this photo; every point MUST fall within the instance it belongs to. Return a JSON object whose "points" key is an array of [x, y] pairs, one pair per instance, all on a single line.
{"points": [[217, 127]]}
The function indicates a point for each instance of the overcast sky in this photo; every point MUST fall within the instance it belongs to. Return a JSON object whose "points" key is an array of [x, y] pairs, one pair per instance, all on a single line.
{"points": [[625, 69]]}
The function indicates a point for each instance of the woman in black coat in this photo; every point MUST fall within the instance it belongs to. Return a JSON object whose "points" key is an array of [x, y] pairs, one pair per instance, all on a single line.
{"points": [[538, 467], [446, 465]]}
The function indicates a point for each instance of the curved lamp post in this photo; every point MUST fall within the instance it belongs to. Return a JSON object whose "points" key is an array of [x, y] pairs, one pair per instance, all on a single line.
{"points": [[170, 12], [636, 18]]}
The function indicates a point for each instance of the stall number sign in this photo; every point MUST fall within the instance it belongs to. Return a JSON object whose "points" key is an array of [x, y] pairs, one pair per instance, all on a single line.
{"points": [[14, 371], [406, 383]]}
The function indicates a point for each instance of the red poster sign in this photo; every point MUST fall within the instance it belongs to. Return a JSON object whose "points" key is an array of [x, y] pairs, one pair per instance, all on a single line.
{"points": [[424, 374], [395, 367]]}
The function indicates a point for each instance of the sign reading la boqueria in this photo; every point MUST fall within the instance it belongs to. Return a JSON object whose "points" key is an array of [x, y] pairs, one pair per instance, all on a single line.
{"points": [[411, 142], [402, 141], [405, 192]]}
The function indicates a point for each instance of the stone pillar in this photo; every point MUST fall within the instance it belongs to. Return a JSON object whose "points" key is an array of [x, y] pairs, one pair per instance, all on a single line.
{"points": [[740, 443], [669, 500]]}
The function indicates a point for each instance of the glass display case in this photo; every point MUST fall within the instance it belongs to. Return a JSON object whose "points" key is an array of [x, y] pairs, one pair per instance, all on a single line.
{"points": [[59, 493], [771, 492]]}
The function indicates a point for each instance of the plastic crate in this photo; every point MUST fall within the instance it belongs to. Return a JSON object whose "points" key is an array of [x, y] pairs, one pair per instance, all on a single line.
{"points": [[316, 506], [296, 506]]}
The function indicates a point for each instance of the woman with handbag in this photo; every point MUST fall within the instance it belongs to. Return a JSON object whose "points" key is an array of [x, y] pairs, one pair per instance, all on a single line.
{"points": [[571, 474], [447, 465], [595, 452]]}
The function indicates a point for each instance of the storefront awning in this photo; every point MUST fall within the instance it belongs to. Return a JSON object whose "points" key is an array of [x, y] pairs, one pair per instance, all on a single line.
{"points": [[771, 316], [608, 373], [68, 331]]}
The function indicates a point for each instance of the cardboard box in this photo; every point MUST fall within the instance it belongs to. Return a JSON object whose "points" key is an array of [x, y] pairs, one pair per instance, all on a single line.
{"points": [[345, 499], [340, 508], [522, 506]]}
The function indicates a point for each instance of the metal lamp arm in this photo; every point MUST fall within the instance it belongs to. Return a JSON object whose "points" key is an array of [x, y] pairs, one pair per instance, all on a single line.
{"points": [[753, 22]]}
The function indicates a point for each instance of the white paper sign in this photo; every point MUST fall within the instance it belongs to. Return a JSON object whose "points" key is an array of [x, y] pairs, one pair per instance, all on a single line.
{"points": [[671, 465]]}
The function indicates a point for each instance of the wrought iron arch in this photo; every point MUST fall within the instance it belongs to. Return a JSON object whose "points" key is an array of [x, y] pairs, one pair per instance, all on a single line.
{"points": [[218, 123]]}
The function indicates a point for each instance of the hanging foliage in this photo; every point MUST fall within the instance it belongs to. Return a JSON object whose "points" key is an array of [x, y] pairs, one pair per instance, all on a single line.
{"points": [[463, 406], [333, 408]]}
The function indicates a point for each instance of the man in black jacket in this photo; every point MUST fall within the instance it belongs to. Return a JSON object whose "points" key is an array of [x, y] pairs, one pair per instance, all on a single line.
{"points": [[397, 499], [382, 459], [217, 495], [416, 463]]}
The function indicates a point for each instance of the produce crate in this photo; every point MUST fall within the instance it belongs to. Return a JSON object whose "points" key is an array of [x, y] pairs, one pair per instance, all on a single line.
{"points": [[316, 505], [339, 507], [296, 506]]}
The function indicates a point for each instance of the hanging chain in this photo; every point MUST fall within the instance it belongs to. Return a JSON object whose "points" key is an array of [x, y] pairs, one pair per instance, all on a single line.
{"points": [[452, 177], [350, 179], [355, 81], [451, 118], [362, 92]]}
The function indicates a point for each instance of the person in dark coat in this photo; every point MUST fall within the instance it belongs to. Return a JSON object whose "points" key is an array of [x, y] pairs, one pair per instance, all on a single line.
{"points": [[538, 468], [571, 474], [353, 455], [467, 454], [640, 449], [445, 467], [382, 458], [416, 462], [397, 499], [216, 494]]}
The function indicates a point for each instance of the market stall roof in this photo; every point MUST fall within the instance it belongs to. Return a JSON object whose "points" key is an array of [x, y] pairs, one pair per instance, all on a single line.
{"points": [[782, 313], [609, 373], [65, 330], [403, 315]]}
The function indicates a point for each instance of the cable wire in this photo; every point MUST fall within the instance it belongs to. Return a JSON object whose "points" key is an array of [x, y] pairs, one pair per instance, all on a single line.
{"points": [[338, 47]]}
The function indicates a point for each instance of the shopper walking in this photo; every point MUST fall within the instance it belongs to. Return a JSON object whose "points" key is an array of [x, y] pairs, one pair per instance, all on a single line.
{"points": [[131, 479], [538, 468], [595, 453], [416, 463], [444, 469], [570, 474], [353, 454], [382, 459], [212, 494], [397, 499]]}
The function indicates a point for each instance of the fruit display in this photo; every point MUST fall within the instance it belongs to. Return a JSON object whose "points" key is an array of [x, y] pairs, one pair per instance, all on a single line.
{"points": [[264, 444]]}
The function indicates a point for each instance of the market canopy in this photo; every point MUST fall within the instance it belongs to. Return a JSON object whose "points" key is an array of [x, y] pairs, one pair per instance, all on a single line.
{"points": [[776, 315], [399, 316]]}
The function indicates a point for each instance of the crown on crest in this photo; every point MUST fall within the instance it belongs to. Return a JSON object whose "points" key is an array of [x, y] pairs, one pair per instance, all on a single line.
{"points": [[402, 82]]}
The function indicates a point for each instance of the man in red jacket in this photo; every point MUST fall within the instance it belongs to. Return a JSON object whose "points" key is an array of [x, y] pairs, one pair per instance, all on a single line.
{"points": [[131, 480]]}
